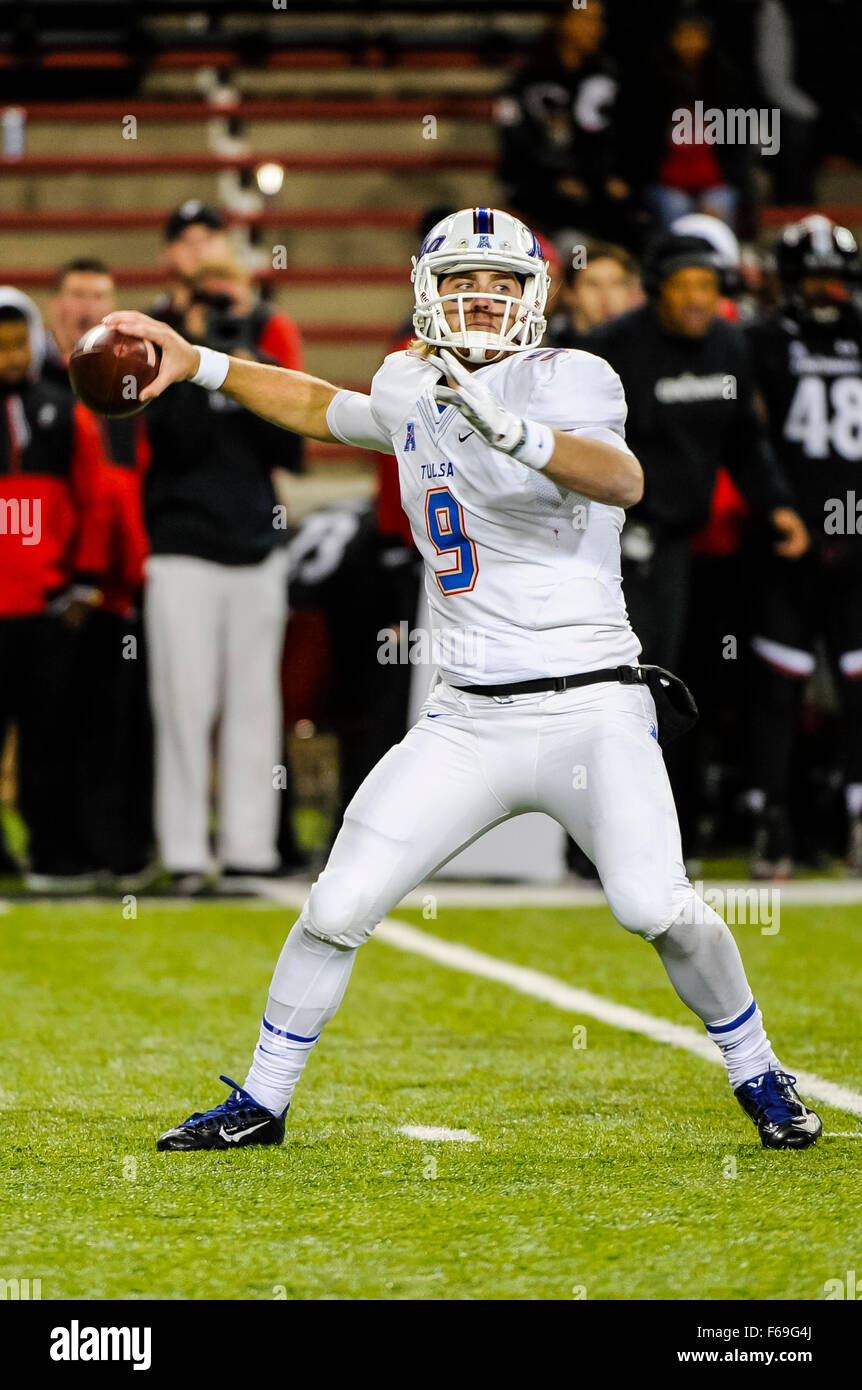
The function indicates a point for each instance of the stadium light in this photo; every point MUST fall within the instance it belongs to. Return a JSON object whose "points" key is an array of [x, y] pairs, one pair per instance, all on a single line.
{"points": [[269, 177]]}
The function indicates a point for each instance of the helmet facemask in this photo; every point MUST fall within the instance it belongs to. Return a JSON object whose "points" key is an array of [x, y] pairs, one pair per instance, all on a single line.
{"points": [[521, 327]]}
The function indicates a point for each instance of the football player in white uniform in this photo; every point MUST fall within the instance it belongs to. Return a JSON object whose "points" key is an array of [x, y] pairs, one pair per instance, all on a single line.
{"points": [[515, 474]]}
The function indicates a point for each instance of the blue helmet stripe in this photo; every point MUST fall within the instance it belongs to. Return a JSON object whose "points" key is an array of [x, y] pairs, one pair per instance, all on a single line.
{"points": [[483, 221]]}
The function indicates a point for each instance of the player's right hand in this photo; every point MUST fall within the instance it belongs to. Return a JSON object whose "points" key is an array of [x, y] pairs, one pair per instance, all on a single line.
{"points": [[180, 360]]}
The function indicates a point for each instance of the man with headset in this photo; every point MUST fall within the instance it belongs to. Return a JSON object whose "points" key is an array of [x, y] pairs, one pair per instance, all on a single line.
{"points": [[688, 382]]}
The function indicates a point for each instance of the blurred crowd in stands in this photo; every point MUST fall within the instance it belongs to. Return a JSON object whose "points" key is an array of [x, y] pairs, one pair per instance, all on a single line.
{"points": [[590, 124], [146, 562]]}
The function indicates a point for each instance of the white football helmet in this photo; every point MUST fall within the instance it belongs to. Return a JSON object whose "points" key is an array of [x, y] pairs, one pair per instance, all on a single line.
{"points": [[481, 239]]}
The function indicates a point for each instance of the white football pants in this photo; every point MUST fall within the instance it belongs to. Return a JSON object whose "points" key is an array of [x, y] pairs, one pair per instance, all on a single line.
{"points": [[587, 757], [214, 635]]}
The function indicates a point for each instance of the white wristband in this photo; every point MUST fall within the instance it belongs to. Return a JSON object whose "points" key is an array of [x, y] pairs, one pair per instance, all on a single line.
{"points": [[212, 369], [537, 446]]}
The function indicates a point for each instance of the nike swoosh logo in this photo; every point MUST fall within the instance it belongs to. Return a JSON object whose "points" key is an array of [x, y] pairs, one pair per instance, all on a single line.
{"points": [[442, 714], [462, 437], [235, 1138]]}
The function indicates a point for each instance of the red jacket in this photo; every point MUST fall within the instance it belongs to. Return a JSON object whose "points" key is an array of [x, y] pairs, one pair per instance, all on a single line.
{"points": [[280, 340], [391, 516], [55, 512], [125, 452]]}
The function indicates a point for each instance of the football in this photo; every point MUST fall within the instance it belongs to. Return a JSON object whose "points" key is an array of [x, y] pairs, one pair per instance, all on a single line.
{"points": [[109, 369]]}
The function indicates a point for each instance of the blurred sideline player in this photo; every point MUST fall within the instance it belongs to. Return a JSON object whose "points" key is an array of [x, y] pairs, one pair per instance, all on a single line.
{"points": [[197, 256], [195, 235], [55, 525], [84, 292], [215, 607], [114, 775], [514, 473], [720, 596], [604, 283], [808, 366]]}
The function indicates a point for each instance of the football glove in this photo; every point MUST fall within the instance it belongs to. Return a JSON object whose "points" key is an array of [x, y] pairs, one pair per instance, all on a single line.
{"points": [[524, 440]]}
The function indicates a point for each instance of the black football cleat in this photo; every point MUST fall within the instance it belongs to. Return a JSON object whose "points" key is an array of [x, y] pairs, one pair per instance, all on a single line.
{"points": [[778, 1113], [238, 1121]]}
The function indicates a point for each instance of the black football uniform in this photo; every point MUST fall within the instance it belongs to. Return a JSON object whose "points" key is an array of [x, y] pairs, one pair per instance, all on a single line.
{"points": [[810, 378]]}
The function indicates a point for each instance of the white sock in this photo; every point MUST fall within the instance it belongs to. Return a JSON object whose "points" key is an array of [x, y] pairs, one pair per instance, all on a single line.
{"points": [[277, 1065], [307, 987], [705, 968], [745, 1048]]}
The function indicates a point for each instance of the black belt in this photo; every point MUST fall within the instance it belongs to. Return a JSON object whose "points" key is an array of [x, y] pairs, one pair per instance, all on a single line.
{"points": [[627, 675], [675, 705]]}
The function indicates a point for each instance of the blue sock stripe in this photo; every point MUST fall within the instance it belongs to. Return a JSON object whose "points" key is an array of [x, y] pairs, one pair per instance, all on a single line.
{"points": [[280, 1032], [735, 1023]]}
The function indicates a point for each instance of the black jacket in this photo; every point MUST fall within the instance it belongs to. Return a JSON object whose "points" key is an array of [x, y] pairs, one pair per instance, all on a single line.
{"points": [[556, 122], [208, 491], [690, 410]]}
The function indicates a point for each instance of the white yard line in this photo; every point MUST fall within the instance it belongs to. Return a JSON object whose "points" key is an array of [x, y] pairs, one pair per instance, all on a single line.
{"points": [[439, 1133], [802, 892], [449, 893], [550, 990], [576, 893]]}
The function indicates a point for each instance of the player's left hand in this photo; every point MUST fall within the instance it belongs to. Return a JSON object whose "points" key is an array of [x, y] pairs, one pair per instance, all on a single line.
{"points": [[795, 539], [502, 429]]}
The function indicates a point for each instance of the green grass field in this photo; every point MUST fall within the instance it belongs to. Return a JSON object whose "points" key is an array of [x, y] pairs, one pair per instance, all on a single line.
{"points": [[624, 1169]]}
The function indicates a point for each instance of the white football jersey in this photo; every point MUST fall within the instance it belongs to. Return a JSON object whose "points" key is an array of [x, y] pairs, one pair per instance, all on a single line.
{"points": [[522, 575]]}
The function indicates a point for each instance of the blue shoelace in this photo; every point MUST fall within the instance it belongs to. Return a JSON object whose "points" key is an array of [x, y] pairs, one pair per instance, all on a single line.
{"points": [[771, 1096], [238, 1104]]}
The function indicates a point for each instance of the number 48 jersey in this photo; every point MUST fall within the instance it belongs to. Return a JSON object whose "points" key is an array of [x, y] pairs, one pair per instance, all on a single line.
{"points": [[522, 575], [810, 377]]}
